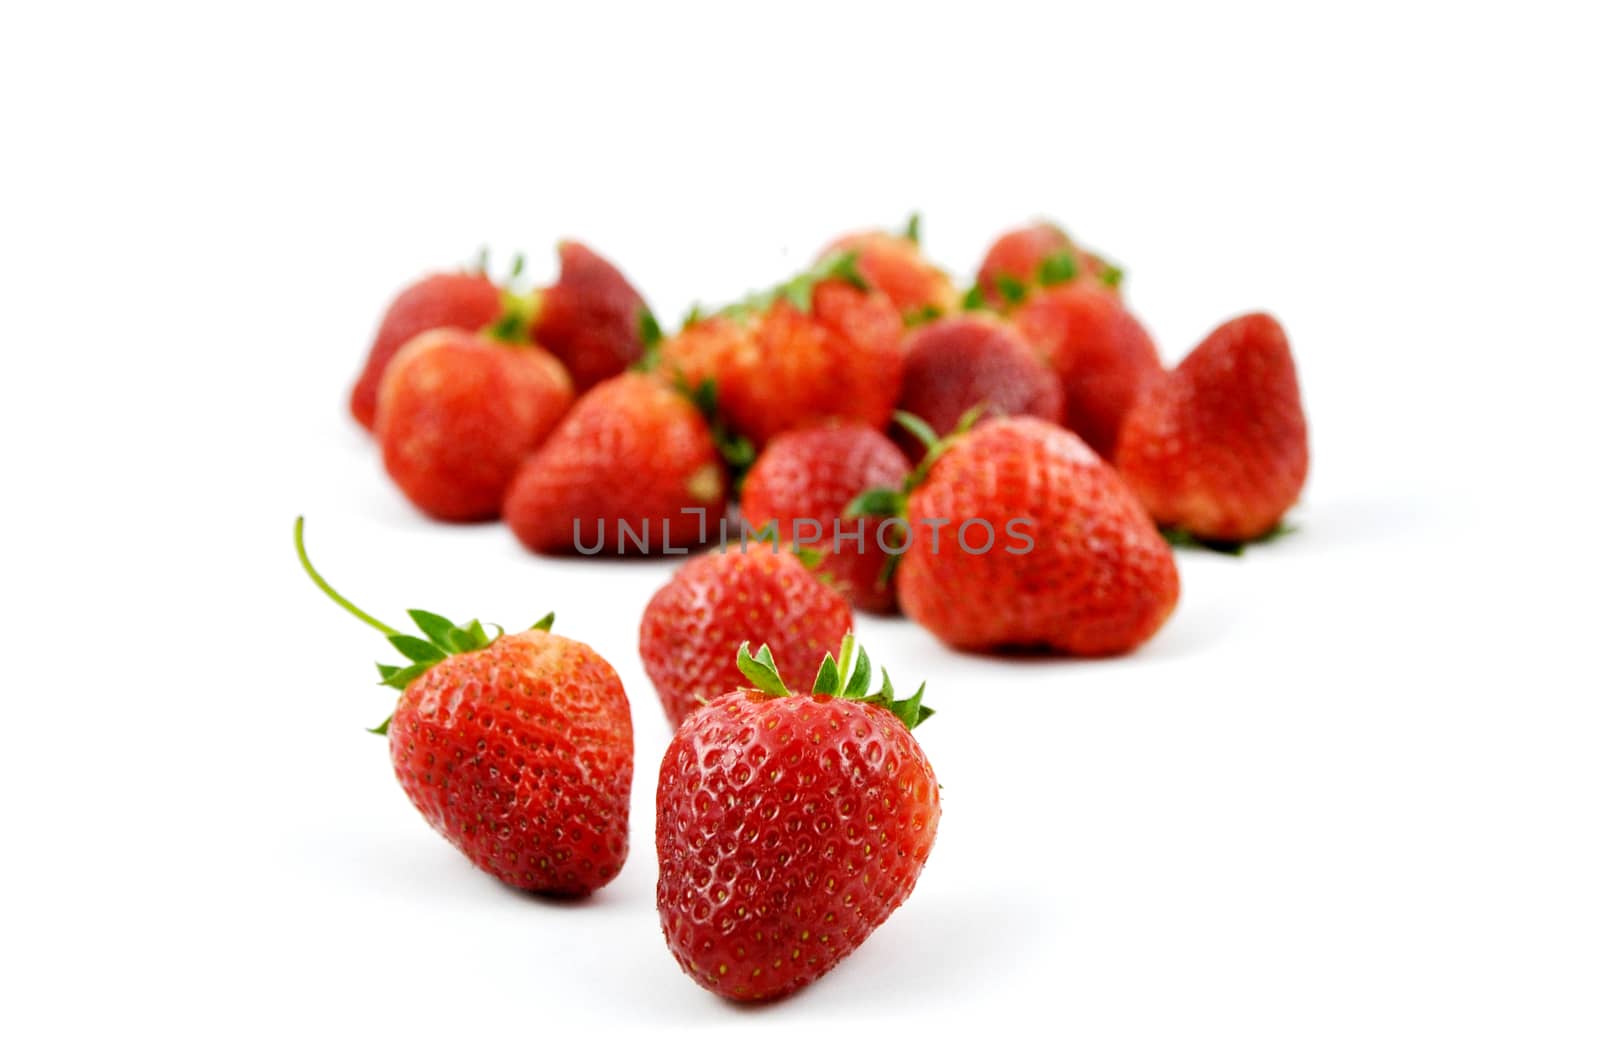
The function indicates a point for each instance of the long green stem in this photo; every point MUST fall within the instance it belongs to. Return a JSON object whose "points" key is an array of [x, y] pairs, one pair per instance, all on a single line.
{"points": [[316, 577]]}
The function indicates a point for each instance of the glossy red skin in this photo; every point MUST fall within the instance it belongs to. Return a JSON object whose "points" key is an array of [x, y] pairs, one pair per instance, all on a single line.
{"points": [[1220, 447], [590, 317], [1099, 579], [1102, 354], [895, 266], [787, 830], [693, 627], [957, 363], [459, 412], [445, 300], [521, 755], [782, 368], [814, 474], [632, 449]]}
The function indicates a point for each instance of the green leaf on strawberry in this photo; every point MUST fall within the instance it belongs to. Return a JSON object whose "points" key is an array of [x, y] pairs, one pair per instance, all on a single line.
{"points": [[847, 676], [442, 638]]}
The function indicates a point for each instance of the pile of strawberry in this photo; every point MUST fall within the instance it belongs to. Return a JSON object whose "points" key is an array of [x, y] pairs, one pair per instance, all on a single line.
{"points": [[1005, 466], [1030, 415]]}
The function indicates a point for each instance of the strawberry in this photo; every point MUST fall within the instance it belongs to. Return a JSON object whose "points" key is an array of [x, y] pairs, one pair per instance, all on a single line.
{"points": [[789, 826], [1019, 537], [517, 748], [633, 469], [466, 300], [1218, 449], [973, 359], [591, 318], [1035, 254], [693, 625], [801, 485], [1104, 357], [893, 264], [458, 412], [820, 347]]}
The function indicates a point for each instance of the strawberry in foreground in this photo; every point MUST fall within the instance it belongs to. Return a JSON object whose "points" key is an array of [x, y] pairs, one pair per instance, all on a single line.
{"points": [[790, 825], [633, 451], [1218, 449], [893, 263], [973, 360], [823, 346], [717, 602], [1021, 538], [801, 486], [466, 300], [457, 414], [1102, 354], [592, 319], [518, 748]]}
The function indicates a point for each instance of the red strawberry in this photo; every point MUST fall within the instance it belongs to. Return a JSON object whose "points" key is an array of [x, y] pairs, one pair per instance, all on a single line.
{"points": [[693, 625], [1218, 449], [443, 300], [790, 826], [591, 318], [1104, 357], [893, 264], [820, 347], [517, 748], [1019, 537], [632, 451], [973, 360], [1035, 254], [810, 476], [457, 414]]}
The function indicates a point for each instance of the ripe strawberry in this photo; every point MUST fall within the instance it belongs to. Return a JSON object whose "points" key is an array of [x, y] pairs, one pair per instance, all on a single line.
{"points": [[973, 360], [893, 264], [821, 347], [467, 300], [1036, 254], [789, 826], [693, 625], [1019, 537], [1104, 357], [457, 414], [802, 484], [1218, 449], [517, 748], [591, 318], [632, 451]]}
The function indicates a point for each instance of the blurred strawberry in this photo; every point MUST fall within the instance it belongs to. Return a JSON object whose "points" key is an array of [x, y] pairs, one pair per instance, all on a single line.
{"points": [[457, 414], [893, 263], [972, 360], [591, 318], [1041, 253], [1101, 352], [1218, 449], [821, 347], [465, 300], [633, 451], [802, 484]]}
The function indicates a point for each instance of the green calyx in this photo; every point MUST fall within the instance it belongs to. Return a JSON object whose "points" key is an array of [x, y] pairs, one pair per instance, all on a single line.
{"points": [[737, 451], [519, 311], [913, 229], [651, 338], [895, 501], [1182, 539], [973, 299], [922, 315], [799, 291], [1058, 268], [1111, 276], [441, 638], [847, 676], [1012, 290]]}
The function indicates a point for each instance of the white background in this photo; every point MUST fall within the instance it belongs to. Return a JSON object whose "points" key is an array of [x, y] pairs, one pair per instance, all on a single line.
{"points": [[1343, 806]]}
